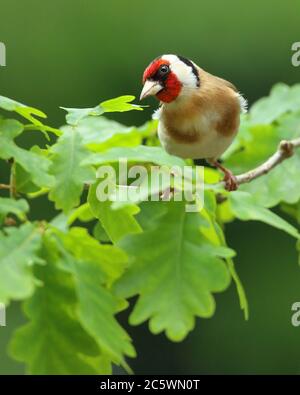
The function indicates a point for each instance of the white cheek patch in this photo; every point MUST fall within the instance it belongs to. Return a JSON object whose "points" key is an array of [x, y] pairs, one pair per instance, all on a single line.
{"points": [[183, 72]]}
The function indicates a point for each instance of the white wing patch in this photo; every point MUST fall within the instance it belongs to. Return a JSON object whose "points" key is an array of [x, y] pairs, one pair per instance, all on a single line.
{"points": [[243, 103]]}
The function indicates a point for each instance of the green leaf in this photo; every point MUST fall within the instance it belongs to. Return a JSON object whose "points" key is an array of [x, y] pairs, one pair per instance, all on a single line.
{"points": [[111, 260], [100, 234], [174, 268], [292, 210], [255, 146], [281, 100], [70, 174], [18, 252], [245, 208], [94, 266], [215, 234], [141, 153], [83, 213], [12, 206], [23, 181], [99, 133], [28, 113], [240, 289], [23, 110], [282, 184], [33, 163], [119, 104], [53, 341], [117, 223], [77, 114], [60, 222]]}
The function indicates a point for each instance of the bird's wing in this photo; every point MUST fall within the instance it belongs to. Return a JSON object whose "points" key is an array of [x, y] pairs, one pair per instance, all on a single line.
{"points": [[227, 83], [242, 100]]}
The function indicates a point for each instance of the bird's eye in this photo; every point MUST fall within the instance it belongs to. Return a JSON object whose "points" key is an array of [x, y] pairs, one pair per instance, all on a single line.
{"points": [[164, 69]]}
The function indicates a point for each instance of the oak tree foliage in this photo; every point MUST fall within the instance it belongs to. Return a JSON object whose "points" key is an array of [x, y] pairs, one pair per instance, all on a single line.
{"points": [[76, 272]]}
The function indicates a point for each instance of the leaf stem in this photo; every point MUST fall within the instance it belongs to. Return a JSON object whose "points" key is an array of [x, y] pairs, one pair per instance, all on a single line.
{"points": [[12, 186]]}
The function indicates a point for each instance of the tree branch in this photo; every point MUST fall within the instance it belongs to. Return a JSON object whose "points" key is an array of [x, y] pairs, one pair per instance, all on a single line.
{"points": [[285, 150], [4, 186]]}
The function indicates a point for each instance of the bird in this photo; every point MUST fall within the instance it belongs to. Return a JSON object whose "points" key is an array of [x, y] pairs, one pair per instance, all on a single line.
{"points": [[199, 113]]}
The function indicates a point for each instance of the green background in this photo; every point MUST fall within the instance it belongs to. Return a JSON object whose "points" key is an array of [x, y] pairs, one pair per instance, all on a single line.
{"points": [[79, 53]]}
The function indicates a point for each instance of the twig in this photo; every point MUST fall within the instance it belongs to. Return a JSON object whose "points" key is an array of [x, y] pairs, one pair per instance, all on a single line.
{"points": [[4, 186], [285, 150]]}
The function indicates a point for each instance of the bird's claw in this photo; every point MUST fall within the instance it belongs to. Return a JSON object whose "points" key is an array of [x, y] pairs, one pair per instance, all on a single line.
{"points": [[230, 181]]}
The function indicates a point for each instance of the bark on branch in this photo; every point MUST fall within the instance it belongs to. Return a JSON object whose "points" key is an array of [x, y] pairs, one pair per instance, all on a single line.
{"points": [[285, 150]]}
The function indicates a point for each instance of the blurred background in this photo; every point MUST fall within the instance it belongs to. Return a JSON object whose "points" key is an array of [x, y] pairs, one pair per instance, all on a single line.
{"points": [[77, 53]]}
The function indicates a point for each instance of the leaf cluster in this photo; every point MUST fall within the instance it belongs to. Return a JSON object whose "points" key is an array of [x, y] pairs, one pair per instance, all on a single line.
{"points": [[75, 273]]}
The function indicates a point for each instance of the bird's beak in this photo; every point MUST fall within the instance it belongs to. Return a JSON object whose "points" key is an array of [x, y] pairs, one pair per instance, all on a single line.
{"points": [[150, 88]]}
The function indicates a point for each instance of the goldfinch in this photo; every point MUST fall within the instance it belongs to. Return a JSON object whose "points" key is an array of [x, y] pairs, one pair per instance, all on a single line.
{"points": [[199, 115]]}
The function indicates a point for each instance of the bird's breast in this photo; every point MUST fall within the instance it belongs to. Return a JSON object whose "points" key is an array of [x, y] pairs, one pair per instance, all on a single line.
{"points": [[198, 131], [189, 127]]}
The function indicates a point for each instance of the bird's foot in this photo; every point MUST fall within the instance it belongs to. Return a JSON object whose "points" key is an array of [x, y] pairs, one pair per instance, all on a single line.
{"points": [[229, 178], [230, 181]]}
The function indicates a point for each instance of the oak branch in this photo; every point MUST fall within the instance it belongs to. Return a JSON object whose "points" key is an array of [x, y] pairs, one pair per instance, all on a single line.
{"points": [[285, 150]]}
